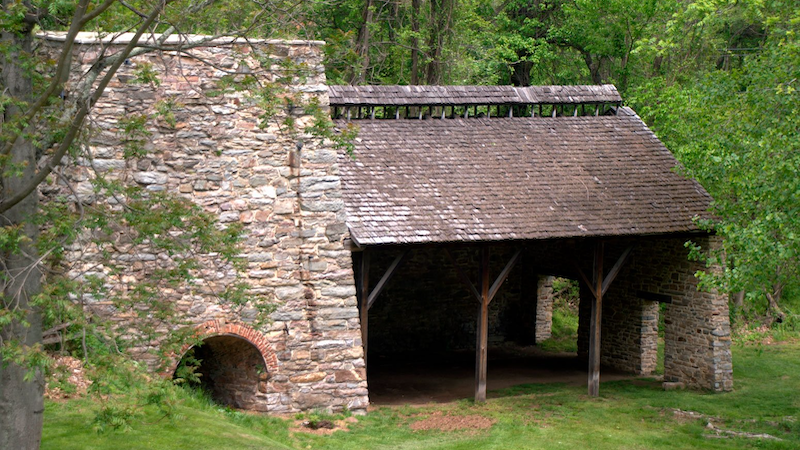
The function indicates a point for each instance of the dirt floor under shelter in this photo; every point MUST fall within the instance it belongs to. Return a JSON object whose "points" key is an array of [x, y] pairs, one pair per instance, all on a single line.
{"points": [[405, 380]]}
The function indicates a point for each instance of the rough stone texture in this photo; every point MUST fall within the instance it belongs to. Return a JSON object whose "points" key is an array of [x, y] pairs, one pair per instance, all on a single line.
{"points": [[697, 329], [230, 371], [544, 307], [289, 202]]}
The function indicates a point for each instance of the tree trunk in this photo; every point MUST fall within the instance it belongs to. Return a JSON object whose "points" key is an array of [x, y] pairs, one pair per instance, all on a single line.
{"points": [[441, 23], [521, 76], [775, 312], [21, 401], [415, 7], [362, 45], [594, 65], [738, 299]]}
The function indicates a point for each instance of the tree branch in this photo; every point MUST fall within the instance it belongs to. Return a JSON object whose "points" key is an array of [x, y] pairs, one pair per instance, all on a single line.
{"points": [[85, 106]]}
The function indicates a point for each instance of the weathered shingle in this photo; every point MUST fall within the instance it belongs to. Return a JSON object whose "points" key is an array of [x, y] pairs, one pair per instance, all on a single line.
{"points": [[470, 95], [419, 181]]}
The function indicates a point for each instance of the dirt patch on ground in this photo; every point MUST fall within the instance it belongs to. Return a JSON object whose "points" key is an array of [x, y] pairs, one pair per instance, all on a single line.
{"points": [[715, 428], [67, 380], [322, 427], [446, 422]]}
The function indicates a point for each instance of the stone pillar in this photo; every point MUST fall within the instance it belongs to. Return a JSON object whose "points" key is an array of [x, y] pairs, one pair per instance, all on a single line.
{"points": [[697, 331], [544, 308]]}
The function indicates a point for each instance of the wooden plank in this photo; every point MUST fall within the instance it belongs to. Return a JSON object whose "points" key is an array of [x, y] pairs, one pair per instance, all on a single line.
{"points": [[364, 312], [654, 297], [612, 274], [481, 347], [595, 322], [464, 278], [584, 278], [385, 278], [503, 275]]}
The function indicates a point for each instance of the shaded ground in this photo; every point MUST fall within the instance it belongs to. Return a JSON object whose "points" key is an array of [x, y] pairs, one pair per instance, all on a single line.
{"points": [[406, 380]]}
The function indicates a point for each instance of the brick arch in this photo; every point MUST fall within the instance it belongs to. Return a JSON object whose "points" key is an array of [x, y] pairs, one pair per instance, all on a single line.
{"points": [[220, 327]]}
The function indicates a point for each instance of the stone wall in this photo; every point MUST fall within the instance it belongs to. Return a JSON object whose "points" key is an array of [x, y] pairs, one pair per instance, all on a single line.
{"points": [[287, 198], [697, 328]]}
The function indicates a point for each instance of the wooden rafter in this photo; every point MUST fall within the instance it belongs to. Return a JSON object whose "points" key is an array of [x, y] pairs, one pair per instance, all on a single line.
{"points": [[504, 274]]}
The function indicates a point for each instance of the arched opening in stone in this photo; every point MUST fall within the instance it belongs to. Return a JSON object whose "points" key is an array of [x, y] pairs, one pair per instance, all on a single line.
{"points": [[231, 370]]}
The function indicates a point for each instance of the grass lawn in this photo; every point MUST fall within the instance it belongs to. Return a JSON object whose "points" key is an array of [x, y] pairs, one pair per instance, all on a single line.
{"points": [[634, 414]]}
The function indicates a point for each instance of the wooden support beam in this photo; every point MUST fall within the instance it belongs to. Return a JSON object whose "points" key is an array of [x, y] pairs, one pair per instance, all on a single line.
{"points": [[612, 274], [584, 277], [654, 297], [598, 287], [385, 278], [503, 275], [484, 297], [481, 347], [464, 278], [595, 322]]}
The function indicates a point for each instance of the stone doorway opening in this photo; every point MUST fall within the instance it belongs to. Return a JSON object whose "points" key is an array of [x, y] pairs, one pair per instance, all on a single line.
{"points": [[231, 370]]}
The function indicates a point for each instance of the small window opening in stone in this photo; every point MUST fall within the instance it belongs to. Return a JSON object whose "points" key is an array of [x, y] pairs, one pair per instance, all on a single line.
{"points": [[229, 369]]}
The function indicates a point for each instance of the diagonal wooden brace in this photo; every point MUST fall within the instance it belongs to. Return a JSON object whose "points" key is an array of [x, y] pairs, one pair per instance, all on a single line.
{"points": [[385, 278]]}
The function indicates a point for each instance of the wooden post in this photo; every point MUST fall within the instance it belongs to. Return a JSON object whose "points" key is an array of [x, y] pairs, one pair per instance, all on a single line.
{"points": [[595, 321], [364, 300], [598, 287], [483, 331]]}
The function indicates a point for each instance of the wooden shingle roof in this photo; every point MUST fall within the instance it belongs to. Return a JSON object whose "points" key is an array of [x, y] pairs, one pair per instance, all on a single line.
{"points": [[455, 180], [470, 95]]}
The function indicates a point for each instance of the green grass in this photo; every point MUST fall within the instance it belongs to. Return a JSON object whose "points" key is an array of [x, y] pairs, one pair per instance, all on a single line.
{"points": [[564, 328], [628, 415], [199, 425]]}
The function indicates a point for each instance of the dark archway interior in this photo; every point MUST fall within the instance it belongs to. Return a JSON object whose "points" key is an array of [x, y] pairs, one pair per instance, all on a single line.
{"points": [[230, 370], [422, 328]]}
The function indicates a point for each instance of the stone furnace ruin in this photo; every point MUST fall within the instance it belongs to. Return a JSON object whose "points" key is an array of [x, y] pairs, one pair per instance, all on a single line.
{"points": [[439, 232]]}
